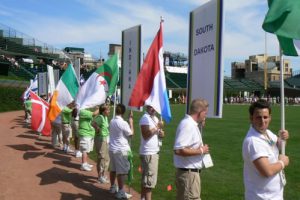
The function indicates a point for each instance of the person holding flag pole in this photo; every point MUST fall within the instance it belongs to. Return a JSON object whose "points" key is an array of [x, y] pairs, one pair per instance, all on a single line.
{"points": [[282, 19], [150, 90]]}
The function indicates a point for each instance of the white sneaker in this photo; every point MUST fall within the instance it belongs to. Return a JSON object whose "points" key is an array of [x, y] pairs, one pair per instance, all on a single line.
{"points": [[103, 179], [114, 189], [68, 150], [78, 154], [123, 195], [91, 166], [85, 167]]}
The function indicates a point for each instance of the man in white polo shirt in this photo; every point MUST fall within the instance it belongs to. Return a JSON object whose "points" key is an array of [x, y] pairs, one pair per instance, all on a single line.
{"points": [[189, 150], [120, 132], [151, 129], [263, 165]]}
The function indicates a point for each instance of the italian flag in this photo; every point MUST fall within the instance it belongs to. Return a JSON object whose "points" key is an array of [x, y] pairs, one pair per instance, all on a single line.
{"points": [[65, 92], [100, 84]]}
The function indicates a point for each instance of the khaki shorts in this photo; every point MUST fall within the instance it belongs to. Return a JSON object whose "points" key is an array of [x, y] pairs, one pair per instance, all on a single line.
{"points": [[188, 185], [150, 169], [75, 128], [119, 162], [86, 144], [66, 131], [101, 146]]}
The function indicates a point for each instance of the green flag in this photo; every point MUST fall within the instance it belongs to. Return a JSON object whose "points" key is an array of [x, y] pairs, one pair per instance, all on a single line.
{"points": [[130, 173], [110, 73], [100, 84], [283, 20]]}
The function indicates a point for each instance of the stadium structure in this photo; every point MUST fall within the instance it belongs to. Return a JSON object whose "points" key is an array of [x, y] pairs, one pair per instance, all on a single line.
{"points": [[22, 57]]}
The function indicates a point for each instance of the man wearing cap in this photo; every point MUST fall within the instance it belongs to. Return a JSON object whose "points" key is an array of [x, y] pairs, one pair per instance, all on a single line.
{"points": [[189, 150], [151, 130]]}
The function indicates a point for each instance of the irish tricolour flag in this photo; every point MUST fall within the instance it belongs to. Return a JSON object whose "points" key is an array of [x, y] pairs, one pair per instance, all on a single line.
{"points": [[283, 19], [150, 87], [100, 84], [65, 92]]}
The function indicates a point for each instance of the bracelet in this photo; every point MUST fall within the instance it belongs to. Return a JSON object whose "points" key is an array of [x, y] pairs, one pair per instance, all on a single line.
{"points": [[282, 164], [201, 150]]}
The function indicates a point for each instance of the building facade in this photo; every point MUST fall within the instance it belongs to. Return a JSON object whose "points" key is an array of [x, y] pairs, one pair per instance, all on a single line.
{"points": [[254, 68]]}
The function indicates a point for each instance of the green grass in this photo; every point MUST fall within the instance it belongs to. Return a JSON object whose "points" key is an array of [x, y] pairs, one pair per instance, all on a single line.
{"points": [[224, 136], [10, 99]]}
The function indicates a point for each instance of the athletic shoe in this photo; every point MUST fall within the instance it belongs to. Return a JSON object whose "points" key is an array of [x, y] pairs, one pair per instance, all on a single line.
{"points": [[114, 189], [91, 166], [103, 179], [78, 154], [85, 167], [68, 150], [123, 195]]}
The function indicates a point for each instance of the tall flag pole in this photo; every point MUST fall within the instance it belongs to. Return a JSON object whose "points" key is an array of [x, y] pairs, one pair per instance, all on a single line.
{"points": [[150, 87], [282, 103], [282, 20]]}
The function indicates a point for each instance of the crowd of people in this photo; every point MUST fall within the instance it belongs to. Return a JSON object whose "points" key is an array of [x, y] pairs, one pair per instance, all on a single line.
{"points": [[263, 163], [249, 100]]}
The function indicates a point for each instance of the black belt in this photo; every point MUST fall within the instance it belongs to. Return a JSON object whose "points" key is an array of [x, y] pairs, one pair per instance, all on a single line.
{"points": [[192, 170]]}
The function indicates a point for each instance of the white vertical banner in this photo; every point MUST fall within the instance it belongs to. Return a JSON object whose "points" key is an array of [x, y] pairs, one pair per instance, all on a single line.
{"points": [[205, 73], [42, 83], [51, 83], [77, 69], [56, 76], [131, 61]]}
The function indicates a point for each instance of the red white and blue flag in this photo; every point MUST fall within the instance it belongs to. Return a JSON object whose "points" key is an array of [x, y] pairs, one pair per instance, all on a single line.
{"points": [[32, 87], [39, 115], [150, 87]]}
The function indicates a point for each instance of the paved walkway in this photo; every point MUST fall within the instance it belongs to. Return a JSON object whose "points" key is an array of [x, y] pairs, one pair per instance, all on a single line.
{"points": [[30, 169]]}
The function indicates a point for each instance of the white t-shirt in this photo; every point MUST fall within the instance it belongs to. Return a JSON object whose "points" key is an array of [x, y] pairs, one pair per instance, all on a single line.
{"points": [[150, 146], [188, 136], [119, 131], [258, 187]]}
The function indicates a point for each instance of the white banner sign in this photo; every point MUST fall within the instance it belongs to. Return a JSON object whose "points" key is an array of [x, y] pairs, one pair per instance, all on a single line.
{"points": [[131, 61], [205, 74], [51, 86], [42, 83]]}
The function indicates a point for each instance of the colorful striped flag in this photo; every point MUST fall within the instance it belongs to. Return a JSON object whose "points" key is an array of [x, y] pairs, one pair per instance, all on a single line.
{"points": [[65, 92], [32, 87], [150, 87]]}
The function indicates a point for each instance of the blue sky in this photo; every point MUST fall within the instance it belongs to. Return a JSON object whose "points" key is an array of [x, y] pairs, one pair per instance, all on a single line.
{"points": [[94, 24]]}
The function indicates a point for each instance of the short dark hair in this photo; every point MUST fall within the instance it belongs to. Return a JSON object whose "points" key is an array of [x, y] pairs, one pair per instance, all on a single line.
{"points": [[259, 104], [103, 107], [120, 109]]}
